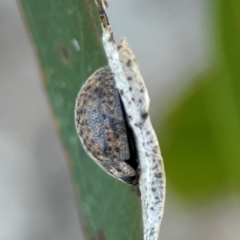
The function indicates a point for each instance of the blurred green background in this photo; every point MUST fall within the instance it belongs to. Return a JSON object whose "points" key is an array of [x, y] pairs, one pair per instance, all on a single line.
{"points": [[188, 52], [201, 134]]}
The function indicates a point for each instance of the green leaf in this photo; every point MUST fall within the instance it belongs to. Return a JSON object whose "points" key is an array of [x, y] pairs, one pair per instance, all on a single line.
{"points": [[67, 38], [201, 146]]}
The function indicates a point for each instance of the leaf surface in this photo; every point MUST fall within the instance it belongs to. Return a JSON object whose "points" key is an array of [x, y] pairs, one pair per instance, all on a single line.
{"points": [[67, 39]]}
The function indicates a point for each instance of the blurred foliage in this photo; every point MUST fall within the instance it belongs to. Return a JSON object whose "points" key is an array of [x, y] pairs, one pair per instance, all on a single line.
{"points": [[67, 38], [201, 144]]}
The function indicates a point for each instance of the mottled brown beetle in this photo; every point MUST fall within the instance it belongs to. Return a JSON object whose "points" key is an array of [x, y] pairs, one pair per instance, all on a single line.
{"points": [[101, 125]]}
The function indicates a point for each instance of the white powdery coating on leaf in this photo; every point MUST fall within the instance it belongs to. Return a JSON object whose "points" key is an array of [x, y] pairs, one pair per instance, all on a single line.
{"points": [[135, 98]]}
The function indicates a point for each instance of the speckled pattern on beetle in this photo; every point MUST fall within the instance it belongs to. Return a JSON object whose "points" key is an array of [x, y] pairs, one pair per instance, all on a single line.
{"points": [[102, 128]]}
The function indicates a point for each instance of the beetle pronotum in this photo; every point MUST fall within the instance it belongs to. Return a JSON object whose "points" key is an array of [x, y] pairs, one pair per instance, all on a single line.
{"points": [[101, 125]]}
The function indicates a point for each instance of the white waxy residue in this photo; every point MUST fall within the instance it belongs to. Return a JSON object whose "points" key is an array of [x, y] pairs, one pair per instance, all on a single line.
{"points": [[75, 44], [134, 95]]}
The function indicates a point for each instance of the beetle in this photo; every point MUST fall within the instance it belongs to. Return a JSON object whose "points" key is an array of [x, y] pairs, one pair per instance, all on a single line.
{"points": [[102, 127]]}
